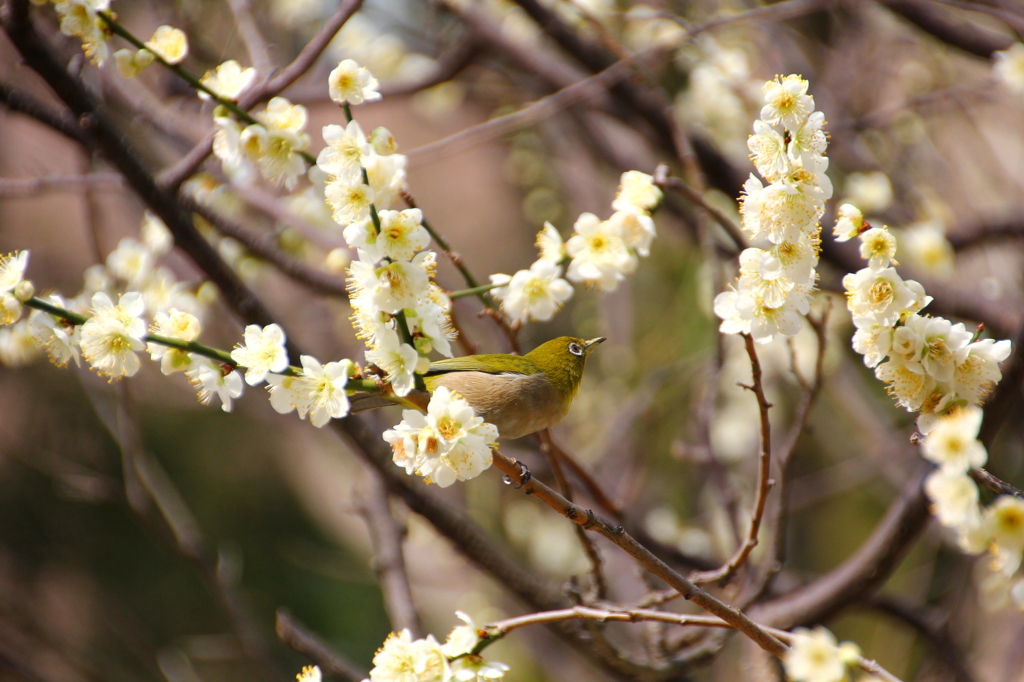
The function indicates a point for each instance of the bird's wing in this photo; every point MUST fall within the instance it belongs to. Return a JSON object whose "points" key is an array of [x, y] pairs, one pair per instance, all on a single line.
{"points": [[489, 364]]}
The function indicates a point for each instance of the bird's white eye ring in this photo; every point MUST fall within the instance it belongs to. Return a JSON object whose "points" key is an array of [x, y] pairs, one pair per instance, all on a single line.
{"points": [[575, 348]]}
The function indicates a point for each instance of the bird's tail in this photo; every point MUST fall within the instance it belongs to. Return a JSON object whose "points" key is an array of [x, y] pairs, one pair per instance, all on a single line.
{"points": [[361, 402]]}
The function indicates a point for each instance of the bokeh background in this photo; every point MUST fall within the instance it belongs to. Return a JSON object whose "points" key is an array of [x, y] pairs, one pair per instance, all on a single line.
{"points": [[924, 136]]}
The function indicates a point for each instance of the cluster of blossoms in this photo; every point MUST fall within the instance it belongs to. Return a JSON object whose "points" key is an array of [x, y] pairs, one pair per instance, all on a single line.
{"points": [[80, 19], [781, 219], [168, 43], [814, 656], [930, 365], [599, 253], [953, 446], [446, 444], [403, 659], [274, 143]]}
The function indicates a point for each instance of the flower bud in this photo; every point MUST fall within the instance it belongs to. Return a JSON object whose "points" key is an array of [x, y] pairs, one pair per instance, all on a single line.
{"points": [[423, 365], [143, 58], [126, 64], [337, 260], [383, 142], [24, 290]]}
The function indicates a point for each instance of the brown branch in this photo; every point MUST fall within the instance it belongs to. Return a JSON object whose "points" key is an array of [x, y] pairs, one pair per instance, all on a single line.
{"points": [[936, 634], [725, 573], [939, 23], [56, 118], [388, 560], [264, 246], [593, 488], [664, 180], [858, 576], [299, 639], [449, 65], [1000, 487], [519, 476], [599, 587]]}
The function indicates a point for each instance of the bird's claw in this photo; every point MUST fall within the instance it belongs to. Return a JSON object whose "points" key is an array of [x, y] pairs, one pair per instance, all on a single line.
{"points": [[524, 475]]}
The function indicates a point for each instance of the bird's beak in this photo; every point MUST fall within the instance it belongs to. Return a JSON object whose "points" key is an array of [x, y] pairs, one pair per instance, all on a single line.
{"points": [[592, 343]]}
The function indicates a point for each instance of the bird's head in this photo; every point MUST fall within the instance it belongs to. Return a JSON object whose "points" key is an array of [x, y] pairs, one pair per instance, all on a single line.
{"points": [[562, 360]]}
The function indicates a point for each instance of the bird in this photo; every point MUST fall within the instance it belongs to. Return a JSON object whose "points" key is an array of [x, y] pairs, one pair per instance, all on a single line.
{"points": [[519, 394]]}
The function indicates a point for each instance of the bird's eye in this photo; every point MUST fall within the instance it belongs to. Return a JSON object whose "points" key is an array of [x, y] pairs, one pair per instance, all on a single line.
{"points": [[575, 348]]}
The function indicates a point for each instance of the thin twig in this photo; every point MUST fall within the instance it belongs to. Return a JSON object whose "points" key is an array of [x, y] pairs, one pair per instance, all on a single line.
{"points": [[663, 179], [389, 560], [1000, 487], [617, 535], [764, 485], [27, 187], [599, 586], [298, 638], [249, 30]]}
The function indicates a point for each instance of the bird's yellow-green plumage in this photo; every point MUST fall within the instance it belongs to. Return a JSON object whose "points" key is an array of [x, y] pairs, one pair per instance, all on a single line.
{"points": [[518, 394]]}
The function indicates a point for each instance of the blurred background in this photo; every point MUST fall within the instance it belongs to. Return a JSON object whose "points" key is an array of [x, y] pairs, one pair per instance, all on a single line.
{"points": [[926, 136]]}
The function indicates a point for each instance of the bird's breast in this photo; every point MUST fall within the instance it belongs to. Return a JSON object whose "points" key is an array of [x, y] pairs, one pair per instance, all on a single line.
{"points": [[518, 404]]}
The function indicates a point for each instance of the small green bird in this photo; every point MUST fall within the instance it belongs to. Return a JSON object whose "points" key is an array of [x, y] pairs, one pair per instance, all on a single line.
{"points": [[518, 394]]}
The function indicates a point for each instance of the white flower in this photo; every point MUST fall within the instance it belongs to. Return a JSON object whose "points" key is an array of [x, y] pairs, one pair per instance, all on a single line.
{"points": [[954, 498], [953, 442], [1004, 523], [399, 360], [382, 141], [310, 673], [350, 202], [637, 192], [907, 382], [228, 81], [599, 255], [782, 210], [79, 18], [18, 345], [871, 191], [131, 262], [211, 379], [768, 152], [169, 43], [59, 337], [476, 669], [878, 247], [879, 294], [320, 390], [808, 142], [392, 286], [12, 270], [928, 249], [941, 342], [402, 233], [370, 322], [155, 235], [403, 660], [387, 178], [549, 244], [786, 101], [263, 352], [762, 277], [814, 656], [872, 340], [637, 229], [352, 84], [275, 142], [1008, 67], [462, 639], [977, 368], [344, 154], [227, 146], [732, 306], [112, 336], [178, 325], [431, 327], [535, 294], [849, 224]]}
